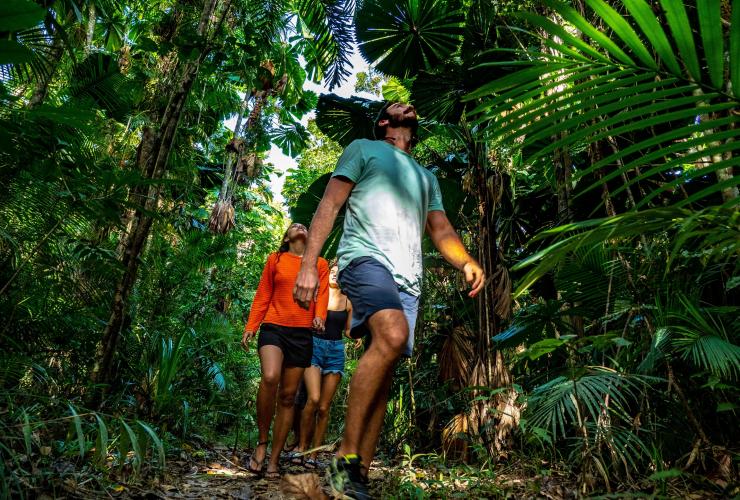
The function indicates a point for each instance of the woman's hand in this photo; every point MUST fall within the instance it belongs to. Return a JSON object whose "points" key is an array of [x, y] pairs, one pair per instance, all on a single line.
{"points": [[358, 343], [318, 324], [248, 335]]}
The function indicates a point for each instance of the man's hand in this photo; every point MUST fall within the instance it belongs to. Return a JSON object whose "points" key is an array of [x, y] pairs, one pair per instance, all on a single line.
{"points": [[306, 286], [248, 335], [318, 324], [474, 275]]}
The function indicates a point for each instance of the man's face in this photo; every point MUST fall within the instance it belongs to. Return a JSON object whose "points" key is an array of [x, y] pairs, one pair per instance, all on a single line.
{"points": [[400, 115]]}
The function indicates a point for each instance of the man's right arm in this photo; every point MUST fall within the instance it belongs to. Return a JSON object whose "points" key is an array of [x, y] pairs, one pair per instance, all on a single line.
{"points": [[336, 194]]}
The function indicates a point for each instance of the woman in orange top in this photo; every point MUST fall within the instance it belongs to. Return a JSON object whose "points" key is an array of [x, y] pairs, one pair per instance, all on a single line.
{"points": [[285, 343]]}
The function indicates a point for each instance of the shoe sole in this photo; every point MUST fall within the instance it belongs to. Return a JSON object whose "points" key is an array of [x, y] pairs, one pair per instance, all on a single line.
{"points": [[335, 494]]}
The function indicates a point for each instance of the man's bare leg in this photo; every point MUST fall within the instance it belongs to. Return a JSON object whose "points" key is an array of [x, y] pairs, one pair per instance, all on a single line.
{"points": [[390, 333], [369, 441]]}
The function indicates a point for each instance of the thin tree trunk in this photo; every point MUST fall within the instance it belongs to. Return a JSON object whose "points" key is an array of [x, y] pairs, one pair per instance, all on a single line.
{"points": [[91, 18], [156, 163]]}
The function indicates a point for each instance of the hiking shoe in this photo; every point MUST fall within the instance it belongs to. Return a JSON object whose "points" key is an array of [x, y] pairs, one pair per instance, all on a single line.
{"points": [[345, 479]]}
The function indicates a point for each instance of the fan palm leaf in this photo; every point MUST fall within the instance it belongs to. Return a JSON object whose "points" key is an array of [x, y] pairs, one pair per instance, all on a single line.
{"points": [[401, 38]]}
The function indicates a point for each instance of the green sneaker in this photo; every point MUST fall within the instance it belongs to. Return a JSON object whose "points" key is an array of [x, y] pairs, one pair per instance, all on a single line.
{"points": [[345, 479]]}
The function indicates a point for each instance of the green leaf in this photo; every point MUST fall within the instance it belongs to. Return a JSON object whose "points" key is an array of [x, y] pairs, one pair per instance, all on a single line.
{"points": [[12, 52], [727, 406], [735, 48], [403, 37], [78, 428], [570, 14], [27, 440], [345, 120], [665, 474], [539, 349], [101, 444], [136, 447], [623, 30], [647, 21], [16, 15], [710, 25], [157, 443], [683, 35]]}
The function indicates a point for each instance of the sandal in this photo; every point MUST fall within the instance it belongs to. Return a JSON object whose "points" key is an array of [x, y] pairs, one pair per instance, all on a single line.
{"points": [[295, 457], [261, 463], [273, 475]]}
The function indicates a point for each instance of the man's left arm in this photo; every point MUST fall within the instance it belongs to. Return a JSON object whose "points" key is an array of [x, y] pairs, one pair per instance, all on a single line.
{"points": [[447, 241]]}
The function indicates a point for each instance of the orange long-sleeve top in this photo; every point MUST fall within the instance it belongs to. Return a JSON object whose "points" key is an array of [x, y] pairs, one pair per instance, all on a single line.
{"points": [[273, 302]]}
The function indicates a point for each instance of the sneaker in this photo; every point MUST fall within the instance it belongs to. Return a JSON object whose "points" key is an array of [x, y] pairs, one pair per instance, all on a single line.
{"points": [[345, 479]]}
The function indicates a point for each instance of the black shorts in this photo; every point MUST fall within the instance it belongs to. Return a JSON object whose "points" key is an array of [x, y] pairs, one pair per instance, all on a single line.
{"points": [[296, 343]]}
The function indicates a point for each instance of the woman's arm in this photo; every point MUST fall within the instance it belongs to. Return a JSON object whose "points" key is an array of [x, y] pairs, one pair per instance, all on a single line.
{"points": [[262, 298]]}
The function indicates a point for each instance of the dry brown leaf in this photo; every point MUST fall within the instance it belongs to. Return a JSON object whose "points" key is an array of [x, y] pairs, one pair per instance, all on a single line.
{"points": [[302, 487]]}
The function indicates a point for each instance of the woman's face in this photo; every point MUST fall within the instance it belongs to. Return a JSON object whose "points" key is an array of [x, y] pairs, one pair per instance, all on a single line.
{"points": [[333, 273], [296, 231]]}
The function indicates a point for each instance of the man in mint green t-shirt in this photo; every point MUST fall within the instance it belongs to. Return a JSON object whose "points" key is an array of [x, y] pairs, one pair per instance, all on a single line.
{"points": [[391, 200]]}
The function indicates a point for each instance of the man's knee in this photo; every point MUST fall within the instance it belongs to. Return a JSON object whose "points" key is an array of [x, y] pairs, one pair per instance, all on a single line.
{"points": [[390, 331]]}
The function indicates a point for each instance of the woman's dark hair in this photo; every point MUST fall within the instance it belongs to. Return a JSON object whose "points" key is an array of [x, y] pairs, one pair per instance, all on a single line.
{"points": [[379, 132], [285, 245]]}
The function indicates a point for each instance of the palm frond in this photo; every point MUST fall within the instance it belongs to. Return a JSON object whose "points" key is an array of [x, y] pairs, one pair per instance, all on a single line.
{"points": [[716, 229], [559, 404], [327, 30], [594, 87]]}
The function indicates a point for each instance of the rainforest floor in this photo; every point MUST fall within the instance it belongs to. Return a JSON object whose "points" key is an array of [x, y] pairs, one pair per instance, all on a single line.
{"points": [[217, 472]]}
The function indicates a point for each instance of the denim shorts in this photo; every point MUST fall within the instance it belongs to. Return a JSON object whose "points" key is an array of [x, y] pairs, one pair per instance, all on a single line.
{"points": [[328, 355], [371, 288]]}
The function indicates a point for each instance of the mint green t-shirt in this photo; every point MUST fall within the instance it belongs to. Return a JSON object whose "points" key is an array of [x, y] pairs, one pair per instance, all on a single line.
{"points": [[387, 209]]}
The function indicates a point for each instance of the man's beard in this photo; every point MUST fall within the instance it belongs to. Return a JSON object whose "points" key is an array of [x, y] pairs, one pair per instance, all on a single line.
{"points": [[403, 121]]}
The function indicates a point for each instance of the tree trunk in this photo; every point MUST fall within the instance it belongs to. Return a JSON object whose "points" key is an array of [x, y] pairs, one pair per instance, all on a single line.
{"points": [[489, 367], [91, 18], [154, 152]]}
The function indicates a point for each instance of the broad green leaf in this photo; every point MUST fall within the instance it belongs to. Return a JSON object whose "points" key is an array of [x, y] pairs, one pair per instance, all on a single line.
{"points": [[735, 48], [135, 446], [16, 15], [27, 434], [78, 428], [665, 474], [12, 52], [157, 443], [710, 24], [683, 35], [727, 406], [645, 17], [623, 30], [102, 440]]}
